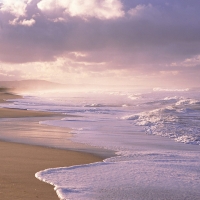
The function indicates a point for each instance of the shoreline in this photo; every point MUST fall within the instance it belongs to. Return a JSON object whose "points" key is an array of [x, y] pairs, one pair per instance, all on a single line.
{"points": [[18, 113], [7, 95], [20, 162]]}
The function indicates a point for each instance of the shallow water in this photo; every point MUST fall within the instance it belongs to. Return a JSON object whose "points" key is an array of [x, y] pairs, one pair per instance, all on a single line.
{"points": [[133, 124]]}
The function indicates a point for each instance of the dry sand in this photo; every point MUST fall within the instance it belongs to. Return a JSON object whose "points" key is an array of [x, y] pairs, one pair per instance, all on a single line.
{"points": [[20, 162]]}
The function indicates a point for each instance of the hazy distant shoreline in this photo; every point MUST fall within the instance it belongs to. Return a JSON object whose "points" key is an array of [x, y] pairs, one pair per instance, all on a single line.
{"points": [[31, 85]]}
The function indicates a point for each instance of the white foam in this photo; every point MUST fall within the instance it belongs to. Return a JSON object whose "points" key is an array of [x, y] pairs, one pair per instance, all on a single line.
{"points": [[146, 166], [158, 89], [142, 165], [187, 102], [146, 177], [179, 121], [131, 117], [171, 98]]}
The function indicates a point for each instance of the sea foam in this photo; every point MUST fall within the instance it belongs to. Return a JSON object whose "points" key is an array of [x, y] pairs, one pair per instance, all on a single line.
{"points": [[146, 166]]}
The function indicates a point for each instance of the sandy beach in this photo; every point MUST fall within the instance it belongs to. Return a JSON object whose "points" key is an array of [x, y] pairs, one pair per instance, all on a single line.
{"points": [[20, 162], [15, 113], [6, 95]]}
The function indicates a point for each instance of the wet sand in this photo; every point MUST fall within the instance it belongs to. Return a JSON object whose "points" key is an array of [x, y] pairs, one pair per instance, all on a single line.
{"points": [[6, 95], [15, 113], [20, 162]]}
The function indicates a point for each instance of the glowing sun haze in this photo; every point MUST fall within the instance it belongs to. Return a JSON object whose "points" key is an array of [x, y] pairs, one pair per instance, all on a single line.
{"points": [[109, 42]]}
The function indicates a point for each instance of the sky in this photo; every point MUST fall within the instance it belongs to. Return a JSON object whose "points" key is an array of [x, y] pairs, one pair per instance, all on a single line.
{"points": [[104, 42]]}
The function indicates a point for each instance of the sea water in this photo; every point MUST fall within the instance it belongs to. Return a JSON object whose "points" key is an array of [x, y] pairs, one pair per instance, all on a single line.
{"points": [[155, 134]]}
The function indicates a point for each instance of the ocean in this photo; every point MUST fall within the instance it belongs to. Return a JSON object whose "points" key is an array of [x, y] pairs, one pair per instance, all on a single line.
{"points": [[155, 134]]}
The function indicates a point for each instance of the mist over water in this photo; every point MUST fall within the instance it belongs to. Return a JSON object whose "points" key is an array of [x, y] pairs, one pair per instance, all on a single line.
{"points": [[126, 121], [167, 112]]}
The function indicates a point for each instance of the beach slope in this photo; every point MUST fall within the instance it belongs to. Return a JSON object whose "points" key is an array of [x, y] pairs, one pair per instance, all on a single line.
{"points": [[20, 162]]}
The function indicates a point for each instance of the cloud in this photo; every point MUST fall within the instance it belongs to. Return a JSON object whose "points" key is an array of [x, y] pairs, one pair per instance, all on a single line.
{"points": [[9, 73], [141, 9], [140, 37], [16, 8], [23, 22], [189, 62], [101, 9], [18, 11]]}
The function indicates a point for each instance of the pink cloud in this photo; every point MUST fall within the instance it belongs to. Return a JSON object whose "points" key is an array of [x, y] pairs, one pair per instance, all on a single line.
{"points": [[101, 9], [18, 9], [95, 36]]}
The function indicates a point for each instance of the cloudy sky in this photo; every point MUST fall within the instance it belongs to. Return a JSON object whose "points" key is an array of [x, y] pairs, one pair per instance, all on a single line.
{"points": [[125, 42]]}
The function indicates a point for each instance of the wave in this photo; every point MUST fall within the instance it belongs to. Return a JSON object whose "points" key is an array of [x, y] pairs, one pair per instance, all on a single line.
{"points": [[164, 164], [180, 121], [187, 102], [96, 105], [170, 90], [134, 96]]}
